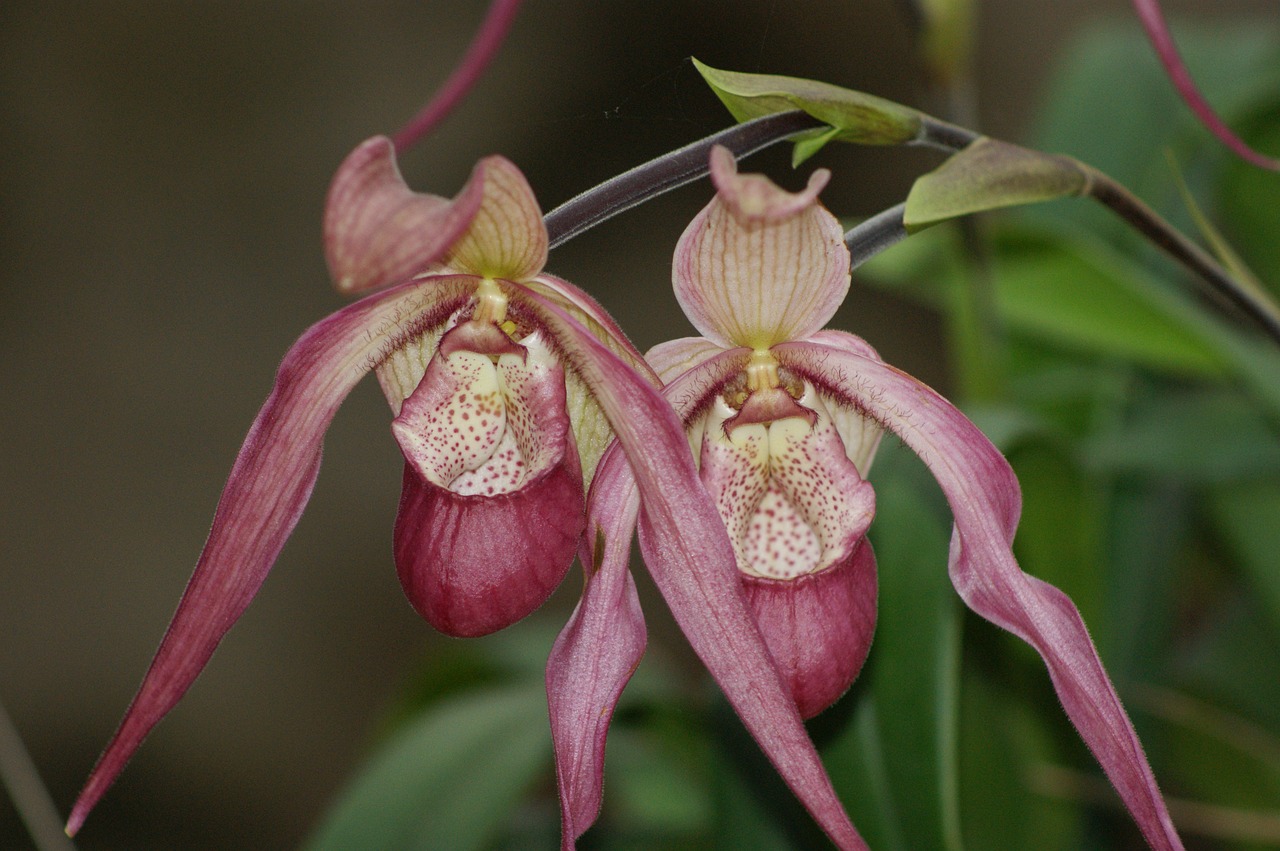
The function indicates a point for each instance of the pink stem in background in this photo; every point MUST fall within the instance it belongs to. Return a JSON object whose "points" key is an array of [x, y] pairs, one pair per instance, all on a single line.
{"points": [[478, 56], [1158, 31]]}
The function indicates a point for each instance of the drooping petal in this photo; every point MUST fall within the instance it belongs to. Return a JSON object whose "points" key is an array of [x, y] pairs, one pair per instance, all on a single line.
{"points": [[691, 560], [506, 238], [492, 507], [377, 231], [598, 650], [985, 501], [263, 499], [760, 265], [819, 627]]}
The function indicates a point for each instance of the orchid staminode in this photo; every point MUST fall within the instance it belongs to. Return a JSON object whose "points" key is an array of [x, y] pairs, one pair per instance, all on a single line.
{"points": [[506, 384], [784, 419]]}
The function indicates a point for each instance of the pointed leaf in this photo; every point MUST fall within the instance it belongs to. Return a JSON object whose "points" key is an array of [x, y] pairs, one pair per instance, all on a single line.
{"points": [[989, 175], [449, 779]]}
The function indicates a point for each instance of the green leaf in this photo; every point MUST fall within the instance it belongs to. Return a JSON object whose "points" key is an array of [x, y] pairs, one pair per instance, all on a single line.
{"points": [[1250, 203], [1202, 436], [1060, 533], [1247, 516], [1002, 741], [990, 175], [1064, 288], [449, 779], [854, 116]]}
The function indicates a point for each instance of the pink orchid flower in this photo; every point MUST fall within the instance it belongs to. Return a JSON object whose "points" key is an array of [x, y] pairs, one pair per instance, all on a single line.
{"points": [[784, 419], [506, 384]]}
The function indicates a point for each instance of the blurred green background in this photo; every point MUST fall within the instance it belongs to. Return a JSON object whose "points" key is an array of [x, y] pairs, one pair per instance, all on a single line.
{"points": [[163, 168]]}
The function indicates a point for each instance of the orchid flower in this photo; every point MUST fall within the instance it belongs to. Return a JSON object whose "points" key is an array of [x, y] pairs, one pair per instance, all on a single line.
{"points": [[505, 383], [784, 420]]}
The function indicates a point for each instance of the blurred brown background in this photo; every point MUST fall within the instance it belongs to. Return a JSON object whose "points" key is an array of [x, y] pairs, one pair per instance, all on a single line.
{"points": [[162, 170]]}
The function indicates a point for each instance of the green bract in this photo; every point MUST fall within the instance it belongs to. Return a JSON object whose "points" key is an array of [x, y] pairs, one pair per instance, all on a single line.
{"points": [[852, 116], [988, 175]]}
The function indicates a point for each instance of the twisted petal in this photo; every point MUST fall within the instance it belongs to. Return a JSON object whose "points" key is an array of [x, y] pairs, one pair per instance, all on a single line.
{"points": [[691, 560], [377, 231], [760, 265], [263, 499], [492, 507], [598, 650], [985, 502]]}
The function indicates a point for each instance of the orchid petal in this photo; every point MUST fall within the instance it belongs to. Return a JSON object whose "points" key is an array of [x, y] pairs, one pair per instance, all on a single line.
{"points": [[598, 650], [985, 502], [691, 560], [791, 499], [377, 231], [492, 507], [674, 357], [760, 265], [859, 433], [506, 238], [263, 499]]}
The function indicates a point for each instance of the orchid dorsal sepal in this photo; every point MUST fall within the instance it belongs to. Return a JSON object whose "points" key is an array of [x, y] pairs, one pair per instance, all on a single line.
{"points": [[378, 231], [989, 175], [850, 116]]}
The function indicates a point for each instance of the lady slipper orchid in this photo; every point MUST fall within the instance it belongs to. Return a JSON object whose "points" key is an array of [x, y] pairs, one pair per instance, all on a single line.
{"points": [[784, 419], [506, 384]]}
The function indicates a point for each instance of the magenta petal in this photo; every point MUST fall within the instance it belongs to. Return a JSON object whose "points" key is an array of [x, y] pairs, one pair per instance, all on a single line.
{"points": [[1158, 31], [689, 555], [597, 651], [262, 501], [985, 501], [818, 627]]}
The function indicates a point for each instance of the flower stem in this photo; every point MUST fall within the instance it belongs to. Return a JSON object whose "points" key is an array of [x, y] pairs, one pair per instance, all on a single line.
{"points": [[480, 53], [1146, 221], [30, 798], [883, 230], [667, 172], [1158, 31]]}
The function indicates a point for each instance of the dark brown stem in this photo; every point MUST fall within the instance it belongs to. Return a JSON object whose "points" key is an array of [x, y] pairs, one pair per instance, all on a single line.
{"points": [[1148, 222]]}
